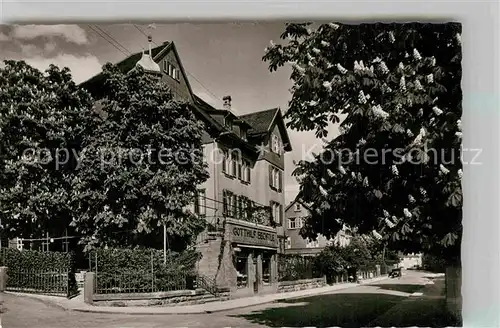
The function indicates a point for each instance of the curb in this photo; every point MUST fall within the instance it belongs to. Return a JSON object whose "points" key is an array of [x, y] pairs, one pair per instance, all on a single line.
{"points": [[147, 311]]}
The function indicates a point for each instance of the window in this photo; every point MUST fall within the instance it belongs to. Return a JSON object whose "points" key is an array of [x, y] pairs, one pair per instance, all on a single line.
{"points": [[228, 123], [240, 170], [244, 166], [312, 243], [275, 178], [288, 242], [297, 207], [225, 162], [292, 223], [170, 69], [200, 203], [228, 203], [277, 212], [275, 144], [243, 133], [234, 164]]}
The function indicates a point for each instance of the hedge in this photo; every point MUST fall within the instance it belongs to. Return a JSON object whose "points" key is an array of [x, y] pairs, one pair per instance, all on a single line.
{"points": [[142, 270], [36, 271]]}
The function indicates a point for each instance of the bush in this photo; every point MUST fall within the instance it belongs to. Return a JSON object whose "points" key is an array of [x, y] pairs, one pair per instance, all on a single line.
{"points": [[295, 267], [40, 271], [129, 270]]}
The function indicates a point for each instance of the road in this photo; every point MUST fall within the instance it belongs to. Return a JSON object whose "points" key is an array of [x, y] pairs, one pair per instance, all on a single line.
{"points": [[351, 307]]}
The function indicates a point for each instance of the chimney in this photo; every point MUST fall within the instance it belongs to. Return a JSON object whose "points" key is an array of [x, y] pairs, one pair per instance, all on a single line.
{"points": [[227, 102]]}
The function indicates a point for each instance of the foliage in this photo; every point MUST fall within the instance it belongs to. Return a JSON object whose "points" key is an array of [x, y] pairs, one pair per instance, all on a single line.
{"points": [[136, 268], [41, 271], [433, 263], [140, 168], [395, 170], [40, 130], [293, 267]]}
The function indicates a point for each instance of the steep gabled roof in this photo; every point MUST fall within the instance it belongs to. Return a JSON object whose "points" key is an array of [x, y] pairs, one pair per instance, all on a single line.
{"points": [[260, 121], [263, 121]]}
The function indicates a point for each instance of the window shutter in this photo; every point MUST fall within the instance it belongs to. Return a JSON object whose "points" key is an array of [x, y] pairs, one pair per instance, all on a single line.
{"points": [[224, 162], [280, 182], [281, 214], [224, 202], [270, 176], [239, 169]]}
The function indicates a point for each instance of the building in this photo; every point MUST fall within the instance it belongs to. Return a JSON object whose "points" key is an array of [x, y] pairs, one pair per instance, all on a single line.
{"points": [[411, 260], [243, 200], [295, 214]]}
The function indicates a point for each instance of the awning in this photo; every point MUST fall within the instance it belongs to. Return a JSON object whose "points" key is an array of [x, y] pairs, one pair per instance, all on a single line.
{"points": [[259, 247]]}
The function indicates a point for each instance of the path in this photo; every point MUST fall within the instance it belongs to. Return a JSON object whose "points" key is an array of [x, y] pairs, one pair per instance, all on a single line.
{"points": [[351, 307]]}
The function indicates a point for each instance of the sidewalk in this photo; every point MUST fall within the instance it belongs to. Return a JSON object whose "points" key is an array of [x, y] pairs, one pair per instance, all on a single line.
{"points": [[77, 303], [424, 309]]}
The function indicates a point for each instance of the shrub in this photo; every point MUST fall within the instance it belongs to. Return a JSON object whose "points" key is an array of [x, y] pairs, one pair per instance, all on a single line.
{"points": [[40, 271]]}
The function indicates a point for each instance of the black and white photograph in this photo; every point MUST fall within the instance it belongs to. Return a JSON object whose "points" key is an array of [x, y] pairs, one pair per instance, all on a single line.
{"points": [[232, 174]]}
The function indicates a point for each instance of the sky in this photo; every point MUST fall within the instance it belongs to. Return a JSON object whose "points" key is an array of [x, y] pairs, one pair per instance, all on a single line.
{"points": [[220, 59]]}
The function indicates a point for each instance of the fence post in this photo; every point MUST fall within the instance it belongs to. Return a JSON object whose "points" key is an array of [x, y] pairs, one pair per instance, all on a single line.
{"points": [[89, 288], [3, 278]]}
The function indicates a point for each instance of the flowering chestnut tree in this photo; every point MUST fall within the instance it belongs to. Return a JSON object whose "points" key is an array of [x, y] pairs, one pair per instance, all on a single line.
{"points": [[395, 169], [41, 115], [140, 168]]}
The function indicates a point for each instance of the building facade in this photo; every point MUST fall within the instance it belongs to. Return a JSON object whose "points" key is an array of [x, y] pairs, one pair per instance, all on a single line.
{"points": [[295, 214], [243, 199]]}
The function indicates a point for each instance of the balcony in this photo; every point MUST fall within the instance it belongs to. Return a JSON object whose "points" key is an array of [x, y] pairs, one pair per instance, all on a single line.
{"points": [[256, 214]]}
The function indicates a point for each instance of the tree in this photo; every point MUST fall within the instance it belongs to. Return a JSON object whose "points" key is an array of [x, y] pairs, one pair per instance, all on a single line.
{"points": [[40, 130], [140, 168], [395, 169]]}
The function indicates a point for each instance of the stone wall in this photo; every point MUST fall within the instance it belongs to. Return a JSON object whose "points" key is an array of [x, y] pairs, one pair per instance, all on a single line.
{"points": [[453, 280], [174, 298], [290, 286]]}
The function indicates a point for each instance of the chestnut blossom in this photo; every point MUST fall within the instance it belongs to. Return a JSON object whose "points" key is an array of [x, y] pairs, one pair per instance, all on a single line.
{"points": [[323, 191], [460, 173], [407, 213], [325, 43], [391, 37], [341, 69], [342, 170], [443, 170], [316, 50], [334, 26], [361, 97], [418, 85], [379, 112], [402, 83], [437, 111], [416, 54], [328, 85], [409, 133], [430, 78], [330, 173], [386, 214], [411, 199], [394, 170], [383, 67], [376, 234], [365, 182]]}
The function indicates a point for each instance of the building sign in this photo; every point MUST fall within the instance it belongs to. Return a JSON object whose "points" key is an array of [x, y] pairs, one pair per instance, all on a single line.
{"points": [[252, 236]]}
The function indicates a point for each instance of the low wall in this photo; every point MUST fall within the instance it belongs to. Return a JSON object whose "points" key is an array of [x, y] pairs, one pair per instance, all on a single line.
{"points": [[290, 286], [179, 297], [453, 279]]}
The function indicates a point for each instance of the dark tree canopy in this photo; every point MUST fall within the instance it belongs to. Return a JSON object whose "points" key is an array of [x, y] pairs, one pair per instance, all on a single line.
{"points": [[395, 169], [140, 169], [40, 131]]}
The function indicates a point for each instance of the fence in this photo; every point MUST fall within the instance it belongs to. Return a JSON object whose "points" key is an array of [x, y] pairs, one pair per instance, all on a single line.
{"points": [[125, 271], [38, 282], [49, 273], [141, 282]]}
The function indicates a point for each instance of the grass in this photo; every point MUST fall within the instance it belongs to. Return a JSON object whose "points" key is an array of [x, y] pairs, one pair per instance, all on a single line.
{"points": [[345, 310]]}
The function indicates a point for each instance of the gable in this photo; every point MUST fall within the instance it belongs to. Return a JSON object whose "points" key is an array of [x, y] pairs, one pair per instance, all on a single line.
{"points": [[278, 127], [169, 61]]}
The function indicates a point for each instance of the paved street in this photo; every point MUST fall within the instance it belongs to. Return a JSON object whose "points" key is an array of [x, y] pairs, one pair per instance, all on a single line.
{"points": [[351, 307]]}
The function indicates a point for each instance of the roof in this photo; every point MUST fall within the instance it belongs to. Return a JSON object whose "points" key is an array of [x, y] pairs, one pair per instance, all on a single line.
{"points": [[298, 200], [260, 121], [125, 65]]}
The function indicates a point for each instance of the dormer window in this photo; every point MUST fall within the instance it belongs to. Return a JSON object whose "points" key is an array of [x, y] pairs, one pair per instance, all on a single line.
{"points": [[243, 133]]}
